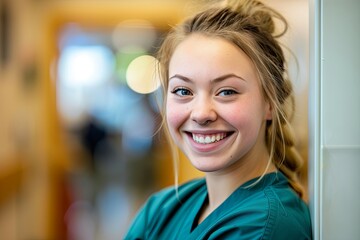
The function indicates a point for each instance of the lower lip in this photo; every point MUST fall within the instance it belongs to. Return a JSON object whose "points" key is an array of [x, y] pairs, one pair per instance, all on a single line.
{"points": [[209, 147]]}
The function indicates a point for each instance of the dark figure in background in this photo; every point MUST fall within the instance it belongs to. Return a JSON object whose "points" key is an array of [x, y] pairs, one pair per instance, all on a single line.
{"points": [[92, 134]]}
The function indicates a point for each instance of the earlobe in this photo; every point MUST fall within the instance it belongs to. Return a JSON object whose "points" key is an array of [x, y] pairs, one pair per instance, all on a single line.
{"points": [[268, 112]]}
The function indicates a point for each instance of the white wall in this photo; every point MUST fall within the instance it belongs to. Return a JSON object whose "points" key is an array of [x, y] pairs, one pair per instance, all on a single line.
{"points": [[335, 118]]}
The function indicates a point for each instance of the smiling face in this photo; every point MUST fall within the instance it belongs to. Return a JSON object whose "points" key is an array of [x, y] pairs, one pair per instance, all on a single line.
{"points": [[215, 110]]}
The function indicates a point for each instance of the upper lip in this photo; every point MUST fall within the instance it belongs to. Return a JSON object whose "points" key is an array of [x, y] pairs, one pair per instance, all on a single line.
{"points": [[207, 132]]}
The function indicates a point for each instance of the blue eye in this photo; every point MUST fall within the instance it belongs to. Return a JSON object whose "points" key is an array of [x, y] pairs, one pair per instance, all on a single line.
{"points": [[182, 92], [227, 92]]}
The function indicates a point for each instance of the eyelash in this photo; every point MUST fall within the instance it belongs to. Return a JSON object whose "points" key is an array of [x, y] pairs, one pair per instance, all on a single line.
{"points": [[231, 91], [182, 89]]}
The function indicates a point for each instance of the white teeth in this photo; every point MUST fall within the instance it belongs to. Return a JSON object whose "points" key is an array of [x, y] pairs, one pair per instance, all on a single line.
{"points": [[206, 139]]}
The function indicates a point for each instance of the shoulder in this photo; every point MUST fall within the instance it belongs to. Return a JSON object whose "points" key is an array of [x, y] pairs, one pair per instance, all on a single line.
{"points": [[268, 210], [288, 214], [160, 206]]}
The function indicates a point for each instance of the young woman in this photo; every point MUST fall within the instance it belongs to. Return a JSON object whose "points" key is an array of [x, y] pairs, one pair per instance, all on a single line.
{"points": [[227, 104]]}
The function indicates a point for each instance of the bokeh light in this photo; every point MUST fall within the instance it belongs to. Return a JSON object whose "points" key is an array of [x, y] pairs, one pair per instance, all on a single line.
{"points": [[141, 75], [82, 71], [81, 66]]}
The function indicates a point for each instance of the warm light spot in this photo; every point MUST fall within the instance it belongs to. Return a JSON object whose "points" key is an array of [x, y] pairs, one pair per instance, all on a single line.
{"points": [[141, 75]]}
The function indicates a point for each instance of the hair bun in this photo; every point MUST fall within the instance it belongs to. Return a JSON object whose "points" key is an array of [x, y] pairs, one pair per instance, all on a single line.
{"points": [[261, 15]]}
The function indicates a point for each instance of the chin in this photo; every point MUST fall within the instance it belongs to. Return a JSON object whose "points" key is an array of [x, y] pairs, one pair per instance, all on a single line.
{"points": [[208, 167]]}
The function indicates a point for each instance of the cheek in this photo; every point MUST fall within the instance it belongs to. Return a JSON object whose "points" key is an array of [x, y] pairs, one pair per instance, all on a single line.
{"points": [[238, 113], [175, 115], [244, 116], [239, 119]]}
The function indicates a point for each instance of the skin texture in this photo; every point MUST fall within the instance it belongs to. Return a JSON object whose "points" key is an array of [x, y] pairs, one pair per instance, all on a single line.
{"points": [[214, 93]]}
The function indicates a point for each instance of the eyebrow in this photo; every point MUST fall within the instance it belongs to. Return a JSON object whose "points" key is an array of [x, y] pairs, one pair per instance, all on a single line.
{"points": [[218, 79]]}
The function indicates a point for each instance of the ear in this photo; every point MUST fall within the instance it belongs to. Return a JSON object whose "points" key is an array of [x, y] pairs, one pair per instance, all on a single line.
{"points": [[268, 111]]}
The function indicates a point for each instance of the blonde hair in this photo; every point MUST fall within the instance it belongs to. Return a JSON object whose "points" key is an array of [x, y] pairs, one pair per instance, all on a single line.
{"points": [[248, 24]]}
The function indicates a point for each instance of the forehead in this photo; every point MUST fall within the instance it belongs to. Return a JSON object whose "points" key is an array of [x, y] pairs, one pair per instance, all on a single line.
{"points": [[200, 55]]}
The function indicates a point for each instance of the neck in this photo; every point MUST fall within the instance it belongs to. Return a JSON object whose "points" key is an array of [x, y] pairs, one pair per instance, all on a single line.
{"points": [[222, 184], [220, 187]]}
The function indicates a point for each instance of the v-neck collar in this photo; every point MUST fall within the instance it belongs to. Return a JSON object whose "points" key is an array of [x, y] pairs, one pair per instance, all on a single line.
{"points": [[198, 210], [240, 193]]}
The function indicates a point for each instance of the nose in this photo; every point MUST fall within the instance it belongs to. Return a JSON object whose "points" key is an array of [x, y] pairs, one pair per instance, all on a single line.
{"points": [[203, 111]]}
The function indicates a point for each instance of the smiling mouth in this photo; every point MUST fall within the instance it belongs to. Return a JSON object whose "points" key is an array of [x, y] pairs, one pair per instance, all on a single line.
{"points": [[209, 138]]}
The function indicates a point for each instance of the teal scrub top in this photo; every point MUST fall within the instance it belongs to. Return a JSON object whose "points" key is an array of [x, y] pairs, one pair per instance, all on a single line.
{"points": [[269, 209]]}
